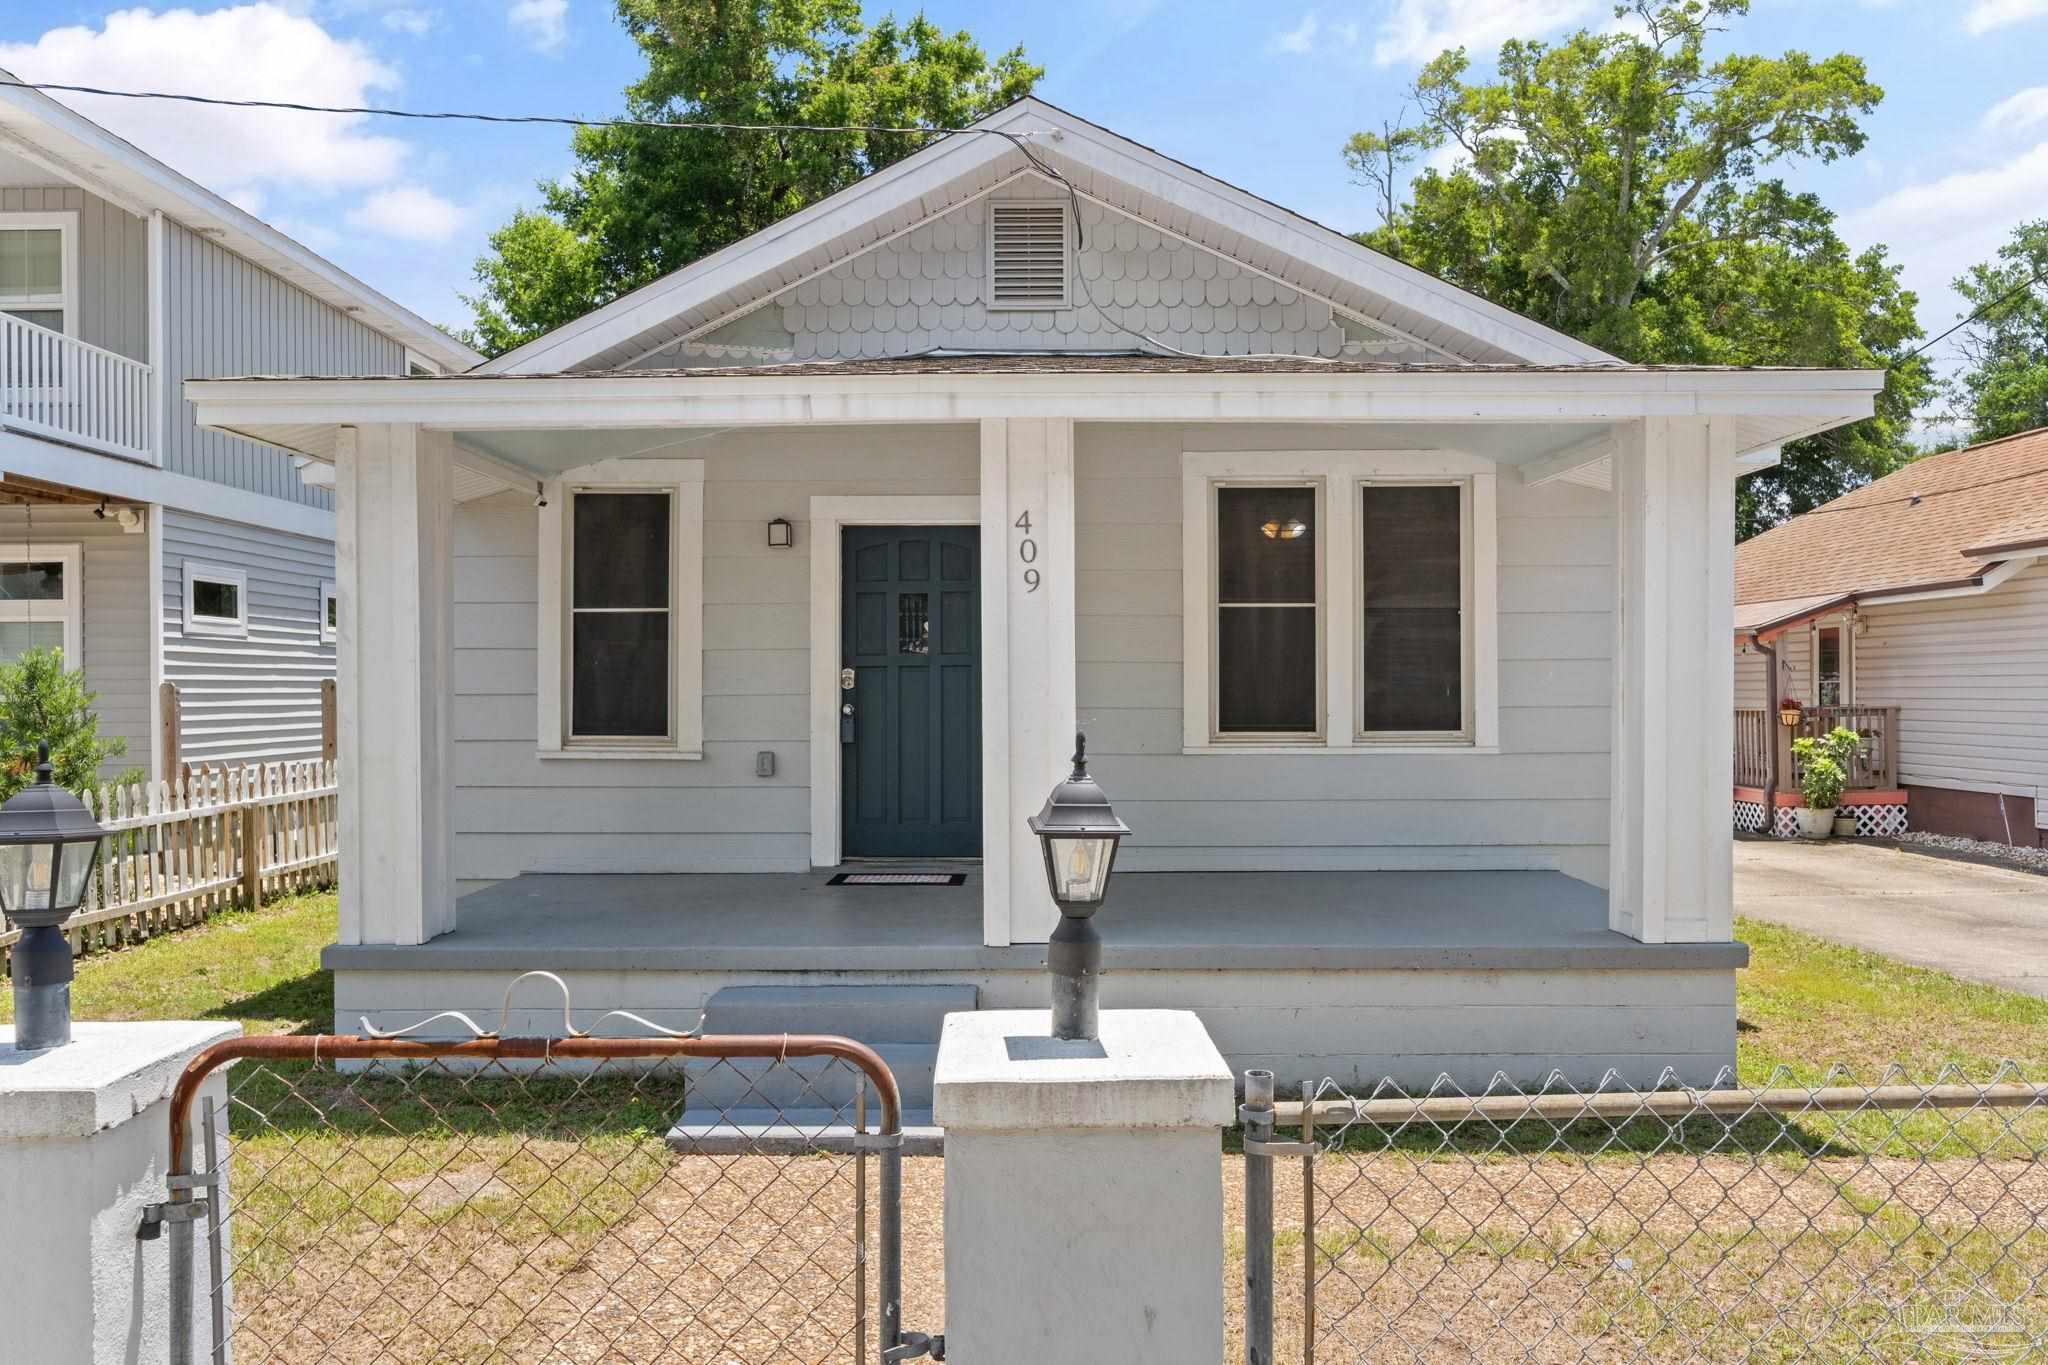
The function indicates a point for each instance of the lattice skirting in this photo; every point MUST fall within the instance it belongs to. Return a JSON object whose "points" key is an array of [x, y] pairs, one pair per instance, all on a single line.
{"points": [[1872, 821], [1749, 817]]}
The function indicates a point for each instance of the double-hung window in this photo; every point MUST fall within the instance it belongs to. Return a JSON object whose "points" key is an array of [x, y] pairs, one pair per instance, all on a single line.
{"points": [[39, 601], [38, 268], [621, 611], [1339, 601]]}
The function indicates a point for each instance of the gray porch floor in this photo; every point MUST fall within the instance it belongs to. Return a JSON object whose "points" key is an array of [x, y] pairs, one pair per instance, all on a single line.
{"points": [[1430, 921]]}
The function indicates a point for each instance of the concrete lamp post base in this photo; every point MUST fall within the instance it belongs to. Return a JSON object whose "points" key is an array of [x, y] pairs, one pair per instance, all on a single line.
{"points": [[1084, 1213]]}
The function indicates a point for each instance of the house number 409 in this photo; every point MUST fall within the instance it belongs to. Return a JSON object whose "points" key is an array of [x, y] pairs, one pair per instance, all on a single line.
{"points": [[1027, 551]]}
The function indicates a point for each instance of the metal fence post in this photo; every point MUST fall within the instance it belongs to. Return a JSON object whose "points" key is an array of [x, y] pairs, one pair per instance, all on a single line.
{"points": [[1257, 1115]]}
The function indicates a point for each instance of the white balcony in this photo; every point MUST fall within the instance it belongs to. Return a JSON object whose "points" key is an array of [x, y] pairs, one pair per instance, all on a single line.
{"points": [[57, 386]]}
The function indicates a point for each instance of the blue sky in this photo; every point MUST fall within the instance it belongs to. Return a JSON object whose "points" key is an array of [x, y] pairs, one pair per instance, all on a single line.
{"points": [[1262, 95]]}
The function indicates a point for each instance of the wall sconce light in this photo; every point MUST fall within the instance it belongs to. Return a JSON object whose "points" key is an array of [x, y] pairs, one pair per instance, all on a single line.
{"points": [[781, 534]]}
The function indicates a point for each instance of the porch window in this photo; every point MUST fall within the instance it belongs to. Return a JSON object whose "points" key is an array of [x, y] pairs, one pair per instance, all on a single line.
{"points": [[1268, 609], [1414, 582], [619, 615], [39, 599], [621, 611], [37, 268]]}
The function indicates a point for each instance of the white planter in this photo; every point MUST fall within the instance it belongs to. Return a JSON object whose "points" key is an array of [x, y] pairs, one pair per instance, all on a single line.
{"points": [[1816, 824], [1845, 824]]}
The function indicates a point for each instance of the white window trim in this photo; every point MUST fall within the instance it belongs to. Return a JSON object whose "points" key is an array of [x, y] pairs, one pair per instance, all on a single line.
{"points": [[329, 592], [197, 572], [988, 256], [66, 222], [68, 609], [683, 481], [1341, 473]]}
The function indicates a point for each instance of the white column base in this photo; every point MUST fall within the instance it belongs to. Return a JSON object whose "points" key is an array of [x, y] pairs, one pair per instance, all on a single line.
{"points": [[1084, 1196], [84, 1144]]}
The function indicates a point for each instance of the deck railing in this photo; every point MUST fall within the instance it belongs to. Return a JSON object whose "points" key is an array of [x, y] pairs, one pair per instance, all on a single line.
{"points": [[58, 386], [1755, 733]]}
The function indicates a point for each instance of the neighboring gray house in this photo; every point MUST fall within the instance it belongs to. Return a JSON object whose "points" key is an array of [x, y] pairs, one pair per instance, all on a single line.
{"points": [[153, 551], [1397, 623]]}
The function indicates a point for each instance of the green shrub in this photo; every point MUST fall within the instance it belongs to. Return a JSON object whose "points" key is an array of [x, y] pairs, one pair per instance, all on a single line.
{"points": [[41, 700], [1824, 766]]}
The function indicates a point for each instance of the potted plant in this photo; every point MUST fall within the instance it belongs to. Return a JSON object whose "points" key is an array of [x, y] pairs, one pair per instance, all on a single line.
{"points": [[1789, 711], [1824, 765]]}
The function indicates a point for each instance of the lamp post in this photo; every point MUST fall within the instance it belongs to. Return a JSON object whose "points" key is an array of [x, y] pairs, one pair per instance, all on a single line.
{"points": [[1079, 834], [48, 845]]}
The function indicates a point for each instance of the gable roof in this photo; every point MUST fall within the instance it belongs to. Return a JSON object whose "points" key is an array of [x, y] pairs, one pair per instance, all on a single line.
{"points": [[1101, 166], [66, 142], [1944, 521]]}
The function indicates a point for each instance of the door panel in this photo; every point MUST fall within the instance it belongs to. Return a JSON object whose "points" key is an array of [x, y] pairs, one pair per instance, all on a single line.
{"points": [[911, 630]]}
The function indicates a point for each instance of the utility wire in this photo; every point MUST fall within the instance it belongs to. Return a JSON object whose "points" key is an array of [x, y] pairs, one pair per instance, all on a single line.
{"points": [[2014, 292]]}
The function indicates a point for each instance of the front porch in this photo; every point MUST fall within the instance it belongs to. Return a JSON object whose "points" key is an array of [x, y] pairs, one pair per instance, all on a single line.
{"points": [[1354, 975]]}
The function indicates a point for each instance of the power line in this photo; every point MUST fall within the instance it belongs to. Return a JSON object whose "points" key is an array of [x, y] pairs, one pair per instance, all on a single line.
{"points": [[2014, 292]]}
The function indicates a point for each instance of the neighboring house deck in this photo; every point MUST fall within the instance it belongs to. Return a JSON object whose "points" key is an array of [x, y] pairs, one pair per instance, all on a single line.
{"points": [[189, 571], [1399, 651], [1914, 610]]}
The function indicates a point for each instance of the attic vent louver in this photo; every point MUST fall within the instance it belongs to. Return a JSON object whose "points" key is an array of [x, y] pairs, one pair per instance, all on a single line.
{"points": [[1027, 255]]}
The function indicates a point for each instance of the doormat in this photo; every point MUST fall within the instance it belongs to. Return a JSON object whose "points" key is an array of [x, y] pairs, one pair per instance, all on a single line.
{"points": [[899, 879]]}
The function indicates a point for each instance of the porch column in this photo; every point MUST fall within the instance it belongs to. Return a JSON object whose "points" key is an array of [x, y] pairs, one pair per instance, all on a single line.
{"points": [[1671, 871], [1027, 703], [395, 661]]}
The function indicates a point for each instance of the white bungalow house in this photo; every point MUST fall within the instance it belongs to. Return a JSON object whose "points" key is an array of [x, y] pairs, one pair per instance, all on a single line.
{"points": [[1397, 624]]}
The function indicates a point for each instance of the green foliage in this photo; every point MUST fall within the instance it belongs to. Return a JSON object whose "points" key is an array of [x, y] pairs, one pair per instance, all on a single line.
{"points": [[1824, 766], [2003, 385], [643, 202], [1615, 186], [41, 700]]}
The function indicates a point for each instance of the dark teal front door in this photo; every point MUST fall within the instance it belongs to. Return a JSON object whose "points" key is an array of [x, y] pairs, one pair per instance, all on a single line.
{"points": [[910, 747]]}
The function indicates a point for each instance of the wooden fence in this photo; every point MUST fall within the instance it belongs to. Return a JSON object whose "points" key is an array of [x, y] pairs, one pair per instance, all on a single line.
{"points": [[178, 852], [1755, 733]]}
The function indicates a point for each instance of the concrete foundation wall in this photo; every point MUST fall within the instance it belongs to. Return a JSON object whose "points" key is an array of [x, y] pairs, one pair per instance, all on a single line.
{"points": [[1356, 1027]]}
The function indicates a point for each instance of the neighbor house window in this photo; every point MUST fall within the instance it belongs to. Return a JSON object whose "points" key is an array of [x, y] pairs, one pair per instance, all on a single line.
{"points": [[330, 613], [1339, 601], [38, 268], [622, 593], [216, 600], [1268, 610], [39, 598], [1414, 649]]}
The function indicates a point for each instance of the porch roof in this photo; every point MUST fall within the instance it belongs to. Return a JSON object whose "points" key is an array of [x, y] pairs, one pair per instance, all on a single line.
{"points": [[1405, 921]]}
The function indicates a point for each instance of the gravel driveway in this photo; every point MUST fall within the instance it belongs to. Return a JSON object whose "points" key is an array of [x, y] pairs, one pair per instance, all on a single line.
{"points": [[1987, 924]]}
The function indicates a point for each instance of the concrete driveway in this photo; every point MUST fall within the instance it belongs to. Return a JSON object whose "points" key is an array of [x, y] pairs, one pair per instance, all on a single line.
{"points": [[1988, 924]]}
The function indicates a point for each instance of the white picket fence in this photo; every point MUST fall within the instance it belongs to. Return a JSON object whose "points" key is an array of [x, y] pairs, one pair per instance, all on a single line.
{"points": [[178, 852]]}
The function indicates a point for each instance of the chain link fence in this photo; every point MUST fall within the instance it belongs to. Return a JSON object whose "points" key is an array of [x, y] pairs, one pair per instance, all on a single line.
{"points": [[1834, 1221], [569, 1200]]}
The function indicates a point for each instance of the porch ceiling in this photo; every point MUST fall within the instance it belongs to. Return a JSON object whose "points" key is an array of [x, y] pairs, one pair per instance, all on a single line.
{"points": [[1427, 921]]}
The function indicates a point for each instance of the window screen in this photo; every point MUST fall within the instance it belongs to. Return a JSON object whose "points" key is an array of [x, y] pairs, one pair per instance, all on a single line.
{"points": [[1267, 610], [1412, 631], [619, 615]]}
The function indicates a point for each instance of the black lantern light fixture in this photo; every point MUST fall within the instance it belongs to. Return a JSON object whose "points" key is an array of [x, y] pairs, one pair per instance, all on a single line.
{"points": [[1079, 834], [781, 534], [48, 845]]}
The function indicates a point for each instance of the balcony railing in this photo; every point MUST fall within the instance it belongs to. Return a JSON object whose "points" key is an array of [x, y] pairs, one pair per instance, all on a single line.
{"points": [[57, 386], [1877, 755]]}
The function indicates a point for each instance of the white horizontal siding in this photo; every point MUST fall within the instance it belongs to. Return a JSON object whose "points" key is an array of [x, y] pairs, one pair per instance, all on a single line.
{"points": [[114, 617], [707, 816], [1970, 676], [253, 699], [1541, 802]]}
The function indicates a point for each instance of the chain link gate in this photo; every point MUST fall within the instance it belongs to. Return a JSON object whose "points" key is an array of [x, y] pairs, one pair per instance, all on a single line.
{"points": [[514, 1199], [1790, 1222]]}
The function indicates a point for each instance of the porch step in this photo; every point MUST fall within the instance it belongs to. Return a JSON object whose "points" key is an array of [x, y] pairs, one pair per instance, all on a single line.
{"points": [[806, 1083], [778, 1133], [870, 1014]]}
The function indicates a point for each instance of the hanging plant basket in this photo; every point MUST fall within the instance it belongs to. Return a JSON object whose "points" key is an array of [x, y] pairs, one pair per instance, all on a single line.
{"points": [[1789, 714]]}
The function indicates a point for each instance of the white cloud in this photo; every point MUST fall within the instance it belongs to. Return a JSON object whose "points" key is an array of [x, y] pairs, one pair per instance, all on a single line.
{"points": [[1417, 30], [543, 24], [1986, 15], [260, 51], [409, 213], [1299, 40], [1939, 228], [2018, 113], [416, 23]]}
